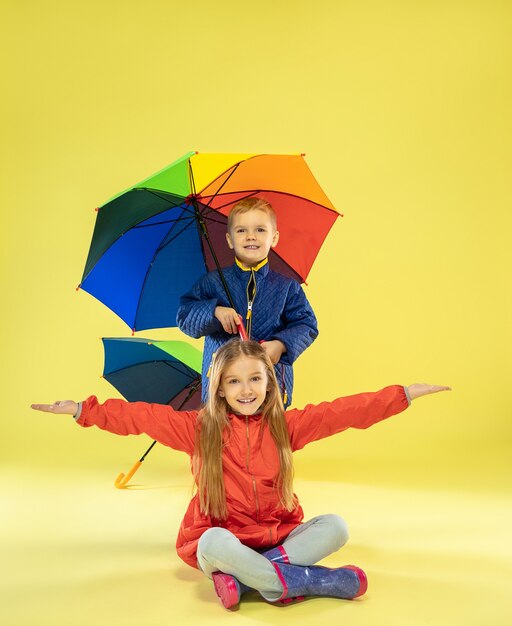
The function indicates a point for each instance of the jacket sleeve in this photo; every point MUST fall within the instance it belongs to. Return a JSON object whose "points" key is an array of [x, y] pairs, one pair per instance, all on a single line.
{"points": [[300, 325], [196, 314], [175, 429], [362, 410]]}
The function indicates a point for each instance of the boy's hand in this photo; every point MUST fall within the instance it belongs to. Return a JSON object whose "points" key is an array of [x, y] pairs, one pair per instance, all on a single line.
{"points": [[421, 389], [229, 319], [275, 349], [66, 407]]}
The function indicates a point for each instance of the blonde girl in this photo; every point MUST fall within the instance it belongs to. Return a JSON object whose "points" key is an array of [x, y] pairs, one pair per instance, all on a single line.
{"points": [[244, 526]]}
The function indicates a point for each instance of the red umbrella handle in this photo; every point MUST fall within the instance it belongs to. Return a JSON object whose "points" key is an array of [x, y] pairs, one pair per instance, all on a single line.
{"points": [[241, 330]]}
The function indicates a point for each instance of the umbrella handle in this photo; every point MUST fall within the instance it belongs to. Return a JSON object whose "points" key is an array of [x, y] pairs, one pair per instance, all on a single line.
{"points": [[241, 330], [122, 480]]}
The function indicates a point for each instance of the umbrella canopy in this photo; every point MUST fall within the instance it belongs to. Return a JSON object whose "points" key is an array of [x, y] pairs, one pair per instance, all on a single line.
{"points": [[154, 240], [164, 372]]}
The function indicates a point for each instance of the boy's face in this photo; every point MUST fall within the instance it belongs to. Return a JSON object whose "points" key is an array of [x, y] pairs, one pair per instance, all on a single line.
{"points": [[251, 236]]}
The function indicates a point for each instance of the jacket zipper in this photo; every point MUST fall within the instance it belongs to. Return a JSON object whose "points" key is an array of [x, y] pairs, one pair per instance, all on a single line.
{"points": [[248, 317], [247, 466]]}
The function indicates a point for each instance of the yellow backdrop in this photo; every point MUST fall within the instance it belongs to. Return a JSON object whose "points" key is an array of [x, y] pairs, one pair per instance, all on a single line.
{"points": [[403, 110]]}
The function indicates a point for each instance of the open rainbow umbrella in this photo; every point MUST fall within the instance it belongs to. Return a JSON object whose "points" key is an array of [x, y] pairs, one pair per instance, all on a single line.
{"points": [[162, 372], [154, 240]]}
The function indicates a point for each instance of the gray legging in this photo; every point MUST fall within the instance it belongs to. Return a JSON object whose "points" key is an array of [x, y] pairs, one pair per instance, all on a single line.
{"points": [[218, 549]]}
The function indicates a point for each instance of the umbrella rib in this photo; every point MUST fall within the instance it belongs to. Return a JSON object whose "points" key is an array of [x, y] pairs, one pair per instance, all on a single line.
{"points": [[190, 221], [189, 218], [254, 192], [193, 183], [185, 204], [157, 192], [222, 206], [171, 221], [150, 265], [208, 213], [140, 224], [191, 178], [203, 233], [255, 156], [213, 220], [293, 271], [160, 247], [283, 193], [193, 387], [185, 208], [175, 236], [234, 168], [185, 372]]}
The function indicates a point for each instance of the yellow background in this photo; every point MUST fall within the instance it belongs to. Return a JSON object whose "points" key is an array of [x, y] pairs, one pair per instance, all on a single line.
{"points": [[403, 110]]}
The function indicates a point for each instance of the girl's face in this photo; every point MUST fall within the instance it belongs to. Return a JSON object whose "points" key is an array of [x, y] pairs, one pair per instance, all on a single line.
{"points": [[244, 385]]}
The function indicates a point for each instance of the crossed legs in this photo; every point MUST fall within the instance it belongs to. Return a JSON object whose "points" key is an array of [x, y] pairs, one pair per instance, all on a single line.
{"points": [[220, 550]]}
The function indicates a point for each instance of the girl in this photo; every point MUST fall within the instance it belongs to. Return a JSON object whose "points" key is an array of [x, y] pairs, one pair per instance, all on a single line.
{"points": [[243, 528]]}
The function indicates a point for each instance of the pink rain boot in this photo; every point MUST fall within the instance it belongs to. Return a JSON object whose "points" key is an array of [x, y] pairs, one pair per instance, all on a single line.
{"points": [[229, 589]]}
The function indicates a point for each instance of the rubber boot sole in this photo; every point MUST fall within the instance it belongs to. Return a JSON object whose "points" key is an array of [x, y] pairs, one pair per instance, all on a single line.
{"points": [[227, 589]]}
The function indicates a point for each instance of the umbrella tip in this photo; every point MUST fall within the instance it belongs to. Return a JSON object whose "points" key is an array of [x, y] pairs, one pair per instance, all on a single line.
{"points": [[302, 154], [97, 209], [196, 151], [78, 287], [133, 331]]}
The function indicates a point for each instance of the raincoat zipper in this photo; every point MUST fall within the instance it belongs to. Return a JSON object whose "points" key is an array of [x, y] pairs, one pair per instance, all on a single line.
{"points": [[251, 475]]}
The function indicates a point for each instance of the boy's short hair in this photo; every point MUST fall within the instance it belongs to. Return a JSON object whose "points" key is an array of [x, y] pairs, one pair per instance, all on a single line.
{"points": [[252, 204]]}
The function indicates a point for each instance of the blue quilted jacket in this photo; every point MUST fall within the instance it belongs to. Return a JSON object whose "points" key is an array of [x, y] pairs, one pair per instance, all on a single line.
{"points": [[280, 310]]}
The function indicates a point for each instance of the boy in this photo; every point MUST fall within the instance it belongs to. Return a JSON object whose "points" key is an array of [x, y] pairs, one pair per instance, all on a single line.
{"points": [[275, 308]]}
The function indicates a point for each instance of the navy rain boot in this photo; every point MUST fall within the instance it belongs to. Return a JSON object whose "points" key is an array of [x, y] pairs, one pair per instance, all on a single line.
{"points": [[230, 589], [314, 580]]}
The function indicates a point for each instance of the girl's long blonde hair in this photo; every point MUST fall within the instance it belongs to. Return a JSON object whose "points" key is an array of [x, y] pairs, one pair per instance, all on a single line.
{"points": [[213, 420]]}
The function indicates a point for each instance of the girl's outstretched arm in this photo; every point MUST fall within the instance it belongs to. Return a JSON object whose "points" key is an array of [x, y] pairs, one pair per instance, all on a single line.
{"points": [[65, 407], [422, 389], [362, 410], [175, 429]]}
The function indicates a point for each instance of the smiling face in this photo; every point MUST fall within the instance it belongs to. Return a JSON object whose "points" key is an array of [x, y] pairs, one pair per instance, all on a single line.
{"points": [[244, 385], [251, 236]]}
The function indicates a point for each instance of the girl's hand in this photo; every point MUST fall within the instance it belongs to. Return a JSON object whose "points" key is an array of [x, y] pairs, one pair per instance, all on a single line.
{"points": [[421, 389], [66, 407], [229, 319]]}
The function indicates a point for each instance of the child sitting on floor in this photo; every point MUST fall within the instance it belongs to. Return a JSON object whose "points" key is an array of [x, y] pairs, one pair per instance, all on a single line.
{"points": [[244, 527]]}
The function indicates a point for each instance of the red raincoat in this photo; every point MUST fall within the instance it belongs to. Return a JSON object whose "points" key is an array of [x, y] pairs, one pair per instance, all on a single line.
{"points": [[250, 457]]}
